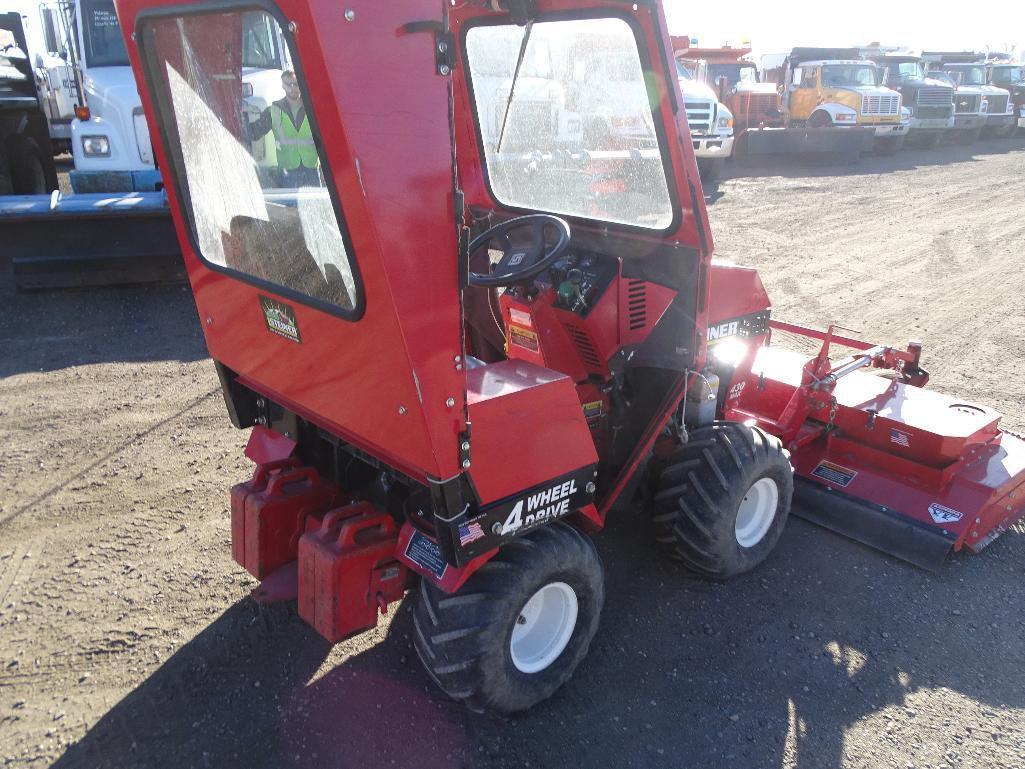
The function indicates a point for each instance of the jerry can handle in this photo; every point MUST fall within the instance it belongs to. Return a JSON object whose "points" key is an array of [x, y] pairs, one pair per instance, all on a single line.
{"points": [[299, 475], [347, 536], [338, 514], [267, 468]]}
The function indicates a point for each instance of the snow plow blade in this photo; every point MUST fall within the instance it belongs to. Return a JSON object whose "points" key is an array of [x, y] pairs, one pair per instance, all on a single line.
{"points": [[90, 240], [850, 143], [912, 472]]}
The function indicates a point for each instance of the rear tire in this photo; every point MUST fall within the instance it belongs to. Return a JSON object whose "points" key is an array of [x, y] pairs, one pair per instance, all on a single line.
{"points": [[518, 628], [723, 498]]}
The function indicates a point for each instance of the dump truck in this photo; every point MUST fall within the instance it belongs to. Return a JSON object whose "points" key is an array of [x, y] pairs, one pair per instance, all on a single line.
{"points": [[710, 121], [738, 84], [930, 101], [26, 157], [973, 106], [1010, 76], [836, 88], [454, 360]]}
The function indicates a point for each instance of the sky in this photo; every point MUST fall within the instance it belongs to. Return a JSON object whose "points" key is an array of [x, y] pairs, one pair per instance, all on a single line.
{"points": [[773, 26]]}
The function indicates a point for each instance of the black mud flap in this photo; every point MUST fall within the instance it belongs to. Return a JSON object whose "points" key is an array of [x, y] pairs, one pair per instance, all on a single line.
{"points": [[848, 143], [884, 529], [113, 240]]}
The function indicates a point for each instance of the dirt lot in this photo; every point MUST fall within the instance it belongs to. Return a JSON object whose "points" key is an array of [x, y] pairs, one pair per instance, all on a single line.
{"points": [[127, 640]]}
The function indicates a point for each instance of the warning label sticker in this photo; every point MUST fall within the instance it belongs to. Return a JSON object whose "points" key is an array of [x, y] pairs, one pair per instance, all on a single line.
{"points": [[942, 514], [834, 473], [523, 337], [425, 553], [520, 317], [594, 410]]}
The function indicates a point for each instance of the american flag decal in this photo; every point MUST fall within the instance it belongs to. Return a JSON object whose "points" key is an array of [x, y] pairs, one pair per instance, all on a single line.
{"points": [[469, 532], [901, 439]]}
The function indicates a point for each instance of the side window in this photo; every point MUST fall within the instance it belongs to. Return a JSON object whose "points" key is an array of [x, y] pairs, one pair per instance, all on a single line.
{"points": [[809, 78], [798, 75], [244, 153]]}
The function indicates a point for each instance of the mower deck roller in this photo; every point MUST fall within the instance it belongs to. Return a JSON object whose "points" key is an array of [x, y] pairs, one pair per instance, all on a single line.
{"points": [[412, 425]]}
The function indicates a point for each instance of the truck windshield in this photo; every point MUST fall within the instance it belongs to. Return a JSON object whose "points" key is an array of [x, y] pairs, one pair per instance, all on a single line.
{"points": [[906, 69], [573, 132], [104, 46], [734, 73], [1007, 75], [972, 75], [841, 75]]}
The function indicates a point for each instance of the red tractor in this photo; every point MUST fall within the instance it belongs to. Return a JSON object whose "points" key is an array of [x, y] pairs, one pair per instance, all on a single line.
{"points": [[461, 335]]}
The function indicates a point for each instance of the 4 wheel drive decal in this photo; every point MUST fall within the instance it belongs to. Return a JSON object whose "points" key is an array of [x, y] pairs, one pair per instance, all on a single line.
{"points": [[525, 512]]}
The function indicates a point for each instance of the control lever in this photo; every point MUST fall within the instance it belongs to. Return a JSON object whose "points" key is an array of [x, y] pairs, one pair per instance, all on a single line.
{"points": [[569, 290]]}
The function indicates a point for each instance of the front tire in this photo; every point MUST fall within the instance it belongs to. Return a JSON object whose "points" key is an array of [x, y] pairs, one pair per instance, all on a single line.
{"points": [[723, 498], [820, 119], [519, 627], [710, 169], [27, 170]]}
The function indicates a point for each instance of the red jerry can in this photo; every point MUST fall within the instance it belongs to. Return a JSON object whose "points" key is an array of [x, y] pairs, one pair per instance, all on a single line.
{"points": [[348, 571], [240, 492], [275, 516]]}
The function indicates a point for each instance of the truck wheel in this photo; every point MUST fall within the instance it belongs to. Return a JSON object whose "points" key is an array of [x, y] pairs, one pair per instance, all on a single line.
{"points": [[518, 628], [28, 175], [722, 499], [820, 119], [710, 169]]}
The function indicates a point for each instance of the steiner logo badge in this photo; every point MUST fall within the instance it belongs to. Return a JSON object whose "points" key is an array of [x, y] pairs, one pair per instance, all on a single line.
{"points": [[280, 319]]}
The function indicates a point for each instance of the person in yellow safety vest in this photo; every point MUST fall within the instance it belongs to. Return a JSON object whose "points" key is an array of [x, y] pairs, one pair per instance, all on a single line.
{"points": [[298, 163]]}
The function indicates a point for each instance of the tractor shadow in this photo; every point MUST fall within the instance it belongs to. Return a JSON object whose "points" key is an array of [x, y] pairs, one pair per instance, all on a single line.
{"points": [[772, 668], [51, 330]]}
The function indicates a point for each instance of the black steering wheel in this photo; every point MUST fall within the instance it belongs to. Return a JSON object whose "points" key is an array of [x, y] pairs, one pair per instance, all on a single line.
{"points": [[520, 263]]}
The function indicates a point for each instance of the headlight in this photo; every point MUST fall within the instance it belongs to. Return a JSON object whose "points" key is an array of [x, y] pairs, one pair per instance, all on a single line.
{"points": [[96, 146], [905, 114], [846, 117], [985, 105], [724, 121]]}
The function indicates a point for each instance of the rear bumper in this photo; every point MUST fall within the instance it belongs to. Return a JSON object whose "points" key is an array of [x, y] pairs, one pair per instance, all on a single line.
{"points": [[713, 146]]}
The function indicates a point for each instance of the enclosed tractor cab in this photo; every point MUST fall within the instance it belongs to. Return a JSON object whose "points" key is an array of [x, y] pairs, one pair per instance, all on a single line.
{"points": [[457, 358]]}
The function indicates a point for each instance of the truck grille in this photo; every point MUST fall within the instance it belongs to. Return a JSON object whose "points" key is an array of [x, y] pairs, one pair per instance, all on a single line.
{"points": [[699, 116], [928, 112], [936, 97], [967, 105], [997, 105], [880, 105]]}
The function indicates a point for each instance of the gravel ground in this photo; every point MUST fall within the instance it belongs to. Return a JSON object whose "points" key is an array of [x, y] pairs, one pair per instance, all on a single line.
{"points": [[127, 640]]}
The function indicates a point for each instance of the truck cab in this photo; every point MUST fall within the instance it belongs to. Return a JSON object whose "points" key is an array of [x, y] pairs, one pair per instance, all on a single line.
{"points": [[711, 121], [1010, 77], [971, 95], [842, 92], [1000, 117], [930, 101]]}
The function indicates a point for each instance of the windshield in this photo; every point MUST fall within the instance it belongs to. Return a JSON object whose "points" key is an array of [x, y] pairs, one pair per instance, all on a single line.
{"points": [[841, 75], [909, 69], [104, 46], [946, 77], [972, 75], [1007, 75], [576, 134], [734, 73], [255, 190]]}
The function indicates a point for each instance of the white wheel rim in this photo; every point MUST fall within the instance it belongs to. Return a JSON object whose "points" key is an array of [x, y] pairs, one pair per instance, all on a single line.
{"points": [[543, 627], [757, 512]]}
